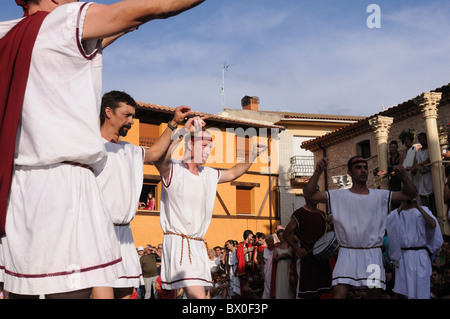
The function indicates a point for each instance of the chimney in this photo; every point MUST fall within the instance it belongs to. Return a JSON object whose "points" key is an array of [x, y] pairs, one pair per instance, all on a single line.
{"points": [[250, 103]]}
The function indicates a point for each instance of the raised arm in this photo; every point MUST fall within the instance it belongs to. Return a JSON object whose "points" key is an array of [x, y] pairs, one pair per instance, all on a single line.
{"points": [[310, 191], [163, 164], [240, 168], [161, 145], [408, 190], [104, 21]]}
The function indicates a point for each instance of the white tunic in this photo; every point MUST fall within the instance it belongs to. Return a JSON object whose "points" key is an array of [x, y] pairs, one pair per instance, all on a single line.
{"points": [[235, 281], [121, 184], [59, 234], [187, 203], [359, 224], [425, 186], [268, 255], [409, 230], [409, 161]]}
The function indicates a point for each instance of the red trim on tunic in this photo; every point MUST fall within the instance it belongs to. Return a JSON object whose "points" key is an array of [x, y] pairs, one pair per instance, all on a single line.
{"points": [[80, 46], [166, 185], [63, 273], [183, 279]]}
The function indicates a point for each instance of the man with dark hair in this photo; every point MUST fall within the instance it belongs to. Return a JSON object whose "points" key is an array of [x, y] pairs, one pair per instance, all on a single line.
{"points": [[121, 181], [245, 254], [359, 219], [51, 147], [308, 224]]}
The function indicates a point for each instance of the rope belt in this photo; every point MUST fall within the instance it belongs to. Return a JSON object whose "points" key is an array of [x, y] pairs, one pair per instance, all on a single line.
{"points": [[121, 225], [78, 164], [361, 247], [182, 243]]}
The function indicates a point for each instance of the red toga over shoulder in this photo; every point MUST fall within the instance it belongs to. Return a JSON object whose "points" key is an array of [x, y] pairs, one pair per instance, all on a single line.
{"points": [[15, 57]]}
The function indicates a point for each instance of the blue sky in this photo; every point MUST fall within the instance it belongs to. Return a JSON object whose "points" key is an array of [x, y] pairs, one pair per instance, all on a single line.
{"points": [[295, 55]]}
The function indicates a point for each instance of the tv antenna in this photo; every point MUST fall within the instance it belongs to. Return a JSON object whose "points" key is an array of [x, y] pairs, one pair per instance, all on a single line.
{"points": [[225, 67]]}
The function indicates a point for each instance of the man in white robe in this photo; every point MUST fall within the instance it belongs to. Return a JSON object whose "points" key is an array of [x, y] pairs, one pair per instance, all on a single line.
{"points": [[56, 216], [359, 218], [268, 261], [121, 182], [414, 237], [407, 159], [425, 186], [187, 203]]}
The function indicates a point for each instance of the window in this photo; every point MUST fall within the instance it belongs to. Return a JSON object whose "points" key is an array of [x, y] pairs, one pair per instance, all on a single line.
{"points": [[243, 200], [148, 200], [363, 149], [242, 147]]}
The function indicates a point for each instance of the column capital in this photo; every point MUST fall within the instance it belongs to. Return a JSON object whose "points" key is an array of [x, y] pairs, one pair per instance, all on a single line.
{"points": [[428, 103], [381, 125]]}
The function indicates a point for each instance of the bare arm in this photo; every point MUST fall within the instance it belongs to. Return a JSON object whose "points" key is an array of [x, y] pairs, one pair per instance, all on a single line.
{"points": [[428, 219], [288, 236], [408, 191], [163, 164], [104, 21], [161, 145], [447, 190], [240, 168], [310, 191]]}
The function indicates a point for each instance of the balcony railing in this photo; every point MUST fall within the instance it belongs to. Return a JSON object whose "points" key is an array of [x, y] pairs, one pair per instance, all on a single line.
{"points": [[146, 141], [301, 167]]}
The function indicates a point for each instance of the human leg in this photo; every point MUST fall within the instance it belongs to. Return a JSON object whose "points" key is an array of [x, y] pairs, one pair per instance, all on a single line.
{"points": [[341, 291], [17, 296], [123, 293], [102, 293], [195, 292], [148, 287], [78, 294]]}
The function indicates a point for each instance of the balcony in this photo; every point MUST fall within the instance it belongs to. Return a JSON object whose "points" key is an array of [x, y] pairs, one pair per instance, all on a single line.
{"points": [[146, 141], [301, 169]]}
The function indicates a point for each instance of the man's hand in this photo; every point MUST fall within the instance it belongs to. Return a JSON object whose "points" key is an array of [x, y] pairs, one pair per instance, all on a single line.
{"points": [[300, 252], [399, 170], [258, 149], [195, 124], [322, 164], [181, 113]]}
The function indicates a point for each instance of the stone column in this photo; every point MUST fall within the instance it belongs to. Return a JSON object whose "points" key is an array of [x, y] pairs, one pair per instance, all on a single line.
{"points": [[428, 103], [381, 126]]}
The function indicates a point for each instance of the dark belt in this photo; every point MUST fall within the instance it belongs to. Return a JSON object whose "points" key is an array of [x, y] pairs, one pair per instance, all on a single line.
{"points": [[121, 225], [419, 248], [414, 248], [361, 248], [79, 164]]}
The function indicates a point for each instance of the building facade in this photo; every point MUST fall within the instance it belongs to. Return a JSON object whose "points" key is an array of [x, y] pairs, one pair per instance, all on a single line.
{"points": [[429, 113], [296, 165]]}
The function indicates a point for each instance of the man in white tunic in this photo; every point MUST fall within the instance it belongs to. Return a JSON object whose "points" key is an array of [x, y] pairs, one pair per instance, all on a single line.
{"points": [[56, 216], [121, 181], [359, 218], [414, 237], [408, 156], [425, 186], [187, 202]]}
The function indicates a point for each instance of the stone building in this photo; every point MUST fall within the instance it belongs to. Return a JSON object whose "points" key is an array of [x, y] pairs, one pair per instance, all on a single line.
{"points": [[429, 112]]}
